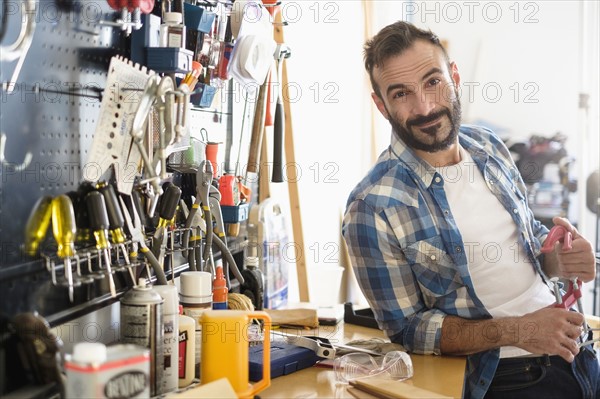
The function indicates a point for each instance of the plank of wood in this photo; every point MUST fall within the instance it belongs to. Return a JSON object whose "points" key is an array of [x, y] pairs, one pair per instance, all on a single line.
{"points": [[291, 174]]}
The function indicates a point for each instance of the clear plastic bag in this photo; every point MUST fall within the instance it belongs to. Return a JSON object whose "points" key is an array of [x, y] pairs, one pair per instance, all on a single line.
{"points": [[395, 365]]}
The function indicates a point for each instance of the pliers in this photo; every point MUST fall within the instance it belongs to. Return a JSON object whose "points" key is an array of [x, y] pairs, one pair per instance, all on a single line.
{"points": [[138, 238], [573, 294], [204, 177]]}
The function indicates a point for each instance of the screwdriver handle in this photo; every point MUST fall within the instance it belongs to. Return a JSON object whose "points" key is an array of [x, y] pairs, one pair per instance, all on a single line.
{"points": [[98, 218], [96, 207], [115, 214], [116, 220], [169, 202], [37, 225], [63, 225]]}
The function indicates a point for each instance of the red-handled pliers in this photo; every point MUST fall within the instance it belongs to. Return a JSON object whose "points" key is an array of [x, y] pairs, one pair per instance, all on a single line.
{"points": [[558, 233]]}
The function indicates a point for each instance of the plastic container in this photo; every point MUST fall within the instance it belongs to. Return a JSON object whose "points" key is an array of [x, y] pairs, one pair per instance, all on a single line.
{"points": [[219, 290], [187, 349], [172, 31], [196, 298], [395, 365]]}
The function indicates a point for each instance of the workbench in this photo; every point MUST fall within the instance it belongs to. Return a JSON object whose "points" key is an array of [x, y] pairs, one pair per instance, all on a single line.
{"points": [[440, 374]]}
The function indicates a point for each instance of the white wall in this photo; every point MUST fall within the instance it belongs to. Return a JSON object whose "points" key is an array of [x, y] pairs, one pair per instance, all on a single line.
{"points": [[523, 65], [325, 71]]}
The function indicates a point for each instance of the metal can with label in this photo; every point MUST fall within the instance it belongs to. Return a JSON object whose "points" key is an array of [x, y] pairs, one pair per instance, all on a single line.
{"points": [[142, 324], [114, 372]]}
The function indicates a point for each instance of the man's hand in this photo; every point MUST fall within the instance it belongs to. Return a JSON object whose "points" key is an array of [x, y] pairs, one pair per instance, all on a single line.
{"points": [[551, 331], [579, 261]]}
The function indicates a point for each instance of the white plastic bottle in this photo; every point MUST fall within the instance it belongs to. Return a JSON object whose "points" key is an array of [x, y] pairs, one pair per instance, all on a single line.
{"points": [[196, 297], [187, 349], [172, 31]]}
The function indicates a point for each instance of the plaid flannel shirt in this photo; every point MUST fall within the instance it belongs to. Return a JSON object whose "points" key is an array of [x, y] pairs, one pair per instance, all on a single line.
{"points": [[407, 252]]}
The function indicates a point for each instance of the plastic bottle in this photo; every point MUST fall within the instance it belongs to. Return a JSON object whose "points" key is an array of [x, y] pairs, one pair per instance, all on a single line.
{"points": [[187, 349], [172, 31], [171, 337], [196, 298], [219, 290]]}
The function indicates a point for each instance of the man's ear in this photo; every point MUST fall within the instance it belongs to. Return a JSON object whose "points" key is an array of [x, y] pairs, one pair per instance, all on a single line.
{"points": [[380, 105]]}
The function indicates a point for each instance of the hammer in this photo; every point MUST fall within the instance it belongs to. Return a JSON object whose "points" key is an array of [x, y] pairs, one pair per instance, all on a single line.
{"points": [[281, 52]]}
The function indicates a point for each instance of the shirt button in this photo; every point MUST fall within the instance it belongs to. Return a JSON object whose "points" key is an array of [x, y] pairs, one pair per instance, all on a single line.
{"points": [[515, 210], [437, 179], [432, 257], [458, 249], [446, 212]]}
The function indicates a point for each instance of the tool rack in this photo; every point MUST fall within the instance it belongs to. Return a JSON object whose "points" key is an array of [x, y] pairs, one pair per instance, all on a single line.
{"points": [[48, 119]]}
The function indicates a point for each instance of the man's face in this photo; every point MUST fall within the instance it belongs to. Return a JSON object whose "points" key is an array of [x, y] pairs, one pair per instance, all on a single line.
{"points": [[419, 97]]}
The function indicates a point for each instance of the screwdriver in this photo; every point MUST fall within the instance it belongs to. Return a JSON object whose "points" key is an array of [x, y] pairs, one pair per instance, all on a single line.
{"points": [[99, 224], [82, 220], [116, 221], [37, 225], [168, 206], [64, 230]]}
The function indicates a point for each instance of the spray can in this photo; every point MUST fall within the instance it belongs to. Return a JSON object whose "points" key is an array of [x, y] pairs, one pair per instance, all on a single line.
{"points": [[171, 336], [196, 298], [142, 324]]}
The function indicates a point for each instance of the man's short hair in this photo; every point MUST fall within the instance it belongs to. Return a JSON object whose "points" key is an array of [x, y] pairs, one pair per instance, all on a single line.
{"points": [[393, 40]]}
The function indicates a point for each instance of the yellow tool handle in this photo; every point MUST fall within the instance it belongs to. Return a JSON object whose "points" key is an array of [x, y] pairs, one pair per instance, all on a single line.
{"points": [[37, 225], [63, 225]]}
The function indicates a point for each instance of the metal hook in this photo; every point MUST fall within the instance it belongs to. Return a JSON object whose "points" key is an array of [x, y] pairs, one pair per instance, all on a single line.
{"points": [[3, 161]]}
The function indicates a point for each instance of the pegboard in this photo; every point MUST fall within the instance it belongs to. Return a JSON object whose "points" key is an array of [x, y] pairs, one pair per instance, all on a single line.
{"points": [[51, 110], [51, 113]]}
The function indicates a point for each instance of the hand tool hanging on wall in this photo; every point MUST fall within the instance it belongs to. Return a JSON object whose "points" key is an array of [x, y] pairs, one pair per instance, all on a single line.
{"points": [[64, 230], [99, 224], [258, 126], [282, 52], [168, 206], [115, 218], [204, 177], [138, 238], [137, 133], [37, 225], [116, 224]]}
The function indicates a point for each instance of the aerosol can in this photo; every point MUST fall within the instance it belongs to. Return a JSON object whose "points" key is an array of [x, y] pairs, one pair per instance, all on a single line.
{"points": [[142, 324]]}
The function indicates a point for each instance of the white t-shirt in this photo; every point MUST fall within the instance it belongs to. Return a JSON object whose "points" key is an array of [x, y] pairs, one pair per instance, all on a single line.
{"points": [[504, 279]]}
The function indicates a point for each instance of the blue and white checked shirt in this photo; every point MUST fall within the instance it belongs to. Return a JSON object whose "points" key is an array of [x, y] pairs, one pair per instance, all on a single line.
{"points": [[407, 251]]}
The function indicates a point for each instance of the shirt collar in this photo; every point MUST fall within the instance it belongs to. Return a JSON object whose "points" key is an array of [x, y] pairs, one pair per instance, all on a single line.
{"points": [[423, 170]]}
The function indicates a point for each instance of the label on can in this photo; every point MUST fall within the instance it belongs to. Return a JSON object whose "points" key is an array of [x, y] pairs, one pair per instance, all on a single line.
{"points": [[143, 325], [124, 374]]}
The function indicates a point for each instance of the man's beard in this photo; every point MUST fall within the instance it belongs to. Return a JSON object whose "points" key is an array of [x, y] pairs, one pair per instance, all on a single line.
{"points": [[411, 140]]}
